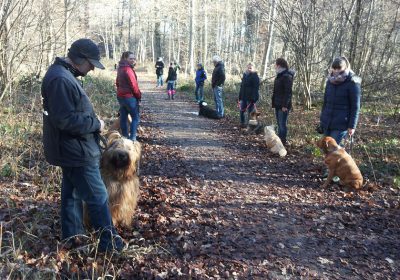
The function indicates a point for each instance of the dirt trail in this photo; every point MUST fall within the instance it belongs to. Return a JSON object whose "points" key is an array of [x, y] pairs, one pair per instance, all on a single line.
{"points": [[222, 206]]}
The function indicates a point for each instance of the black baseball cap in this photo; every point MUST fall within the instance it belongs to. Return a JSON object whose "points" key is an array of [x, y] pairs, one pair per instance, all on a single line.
{"points": [[85, 49]]}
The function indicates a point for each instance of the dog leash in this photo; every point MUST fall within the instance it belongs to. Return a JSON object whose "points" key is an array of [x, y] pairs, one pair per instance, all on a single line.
{"points": [[102, 143], [248, 106], [351, 144], [351, 141]]}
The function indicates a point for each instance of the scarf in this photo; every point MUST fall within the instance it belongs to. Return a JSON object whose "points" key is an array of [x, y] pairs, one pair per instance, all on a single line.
{"points": [[339, 77]]}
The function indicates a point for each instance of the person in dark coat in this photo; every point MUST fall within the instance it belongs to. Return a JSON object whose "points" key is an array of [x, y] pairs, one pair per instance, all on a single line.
{"points": [[201, 76], [159, 71], [249, 92], [217, 84], [128, 95], [282, 96], [71, 140], [341, 108], [171, 79]]}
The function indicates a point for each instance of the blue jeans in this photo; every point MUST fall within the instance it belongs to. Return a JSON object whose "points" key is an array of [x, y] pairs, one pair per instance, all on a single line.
{"points": [[281, 119], [129, 106], [170, 85], [338, 135], [85, 184], [219, 103], [159, 80], [245, 106], [199, 92]]}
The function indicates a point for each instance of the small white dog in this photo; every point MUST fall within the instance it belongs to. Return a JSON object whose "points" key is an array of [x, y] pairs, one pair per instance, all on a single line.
{"points": [[273, 142]]}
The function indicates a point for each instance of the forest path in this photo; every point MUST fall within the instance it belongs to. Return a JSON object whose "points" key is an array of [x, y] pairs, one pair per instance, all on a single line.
{"points": [[222, 205]]}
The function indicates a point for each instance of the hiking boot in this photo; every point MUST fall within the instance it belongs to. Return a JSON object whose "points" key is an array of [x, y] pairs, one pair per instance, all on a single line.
{"points": [[243, 125], [325, 173], [117, 244]]}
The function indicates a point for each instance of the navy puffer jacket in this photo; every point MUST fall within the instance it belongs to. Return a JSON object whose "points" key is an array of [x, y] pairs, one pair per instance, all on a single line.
{"points": [[341, 104], [249, 87]]}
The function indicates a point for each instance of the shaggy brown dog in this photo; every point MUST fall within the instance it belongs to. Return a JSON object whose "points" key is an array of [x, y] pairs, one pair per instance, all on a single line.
{"points": [[119, 166], [340, 164]]}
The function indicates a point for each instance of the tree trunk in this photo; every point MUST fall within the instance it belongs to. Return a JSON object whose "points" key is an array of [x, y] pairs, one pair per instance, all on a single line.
{"points": [[355, 30], [191, 37], [205, 46], [268, 42], [66, 26]]}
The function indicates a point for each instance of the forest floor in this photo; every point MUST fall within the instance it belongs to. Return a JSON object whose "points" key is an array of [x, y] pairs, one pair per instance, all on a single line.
{"points": [[222, 206], [215, 204]]}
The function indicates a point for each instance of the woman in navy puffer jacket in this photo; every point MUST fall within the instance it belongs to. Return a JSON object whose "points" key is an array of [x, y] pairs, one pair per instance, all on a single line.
{"points": [[341, 107]]}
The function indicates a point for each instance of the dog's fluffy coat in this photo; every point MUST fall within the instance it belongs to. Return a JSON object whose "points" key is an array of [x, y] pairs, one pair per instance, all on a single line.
{"points": [[119, 169], [116, 123], [273, 141], [340, 164]]}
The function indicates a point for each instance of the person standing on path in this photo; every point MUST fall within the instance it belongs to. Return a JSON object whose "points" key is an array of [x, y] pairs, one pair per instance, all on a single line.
{"points": [[128, 95], [341, 108], [171, 79], [282, 96], [201, 76], [217, 83], [249, 92], [159, 71], [71, 140]]}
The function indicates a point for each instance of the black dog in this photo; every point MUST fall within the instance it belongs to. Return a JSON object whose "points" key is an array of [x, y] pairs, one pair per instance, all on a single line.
{"points": [[206, 111]]}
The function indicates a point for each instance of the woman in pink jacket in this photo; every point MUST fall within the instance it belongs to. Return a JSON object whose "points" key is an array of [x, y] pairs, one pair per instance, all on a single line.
{"points": [[128, 94]]}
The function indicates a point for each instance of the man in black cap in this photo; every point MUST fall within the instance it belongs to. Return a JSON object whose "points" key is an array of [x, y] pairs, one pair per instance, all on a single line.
{"points": [[71, 140]]}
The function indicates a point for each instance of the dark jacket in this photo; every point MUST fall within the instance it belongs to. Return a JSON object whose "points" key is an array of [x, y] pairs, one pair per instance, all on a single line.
{"points": [[70, 126], [341, 104], [159, 68], [249, 87], [201, 76], [218, 75], [171, 74], [126, 82], [282, 92]]}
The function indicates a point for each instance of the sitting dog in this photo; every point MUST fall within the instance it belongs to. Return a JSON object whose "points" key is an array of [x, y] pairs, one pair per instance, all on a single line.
{"points": [[340, 164], [273, 142], [254, 126], [119, 166], [206, 111], [116, 124]]}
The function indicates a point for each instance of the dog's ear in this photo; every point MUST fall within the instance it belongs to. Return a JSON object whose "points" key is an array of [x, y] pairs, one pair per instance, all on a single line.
{"points": [[326, 144], [331, 144]]}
